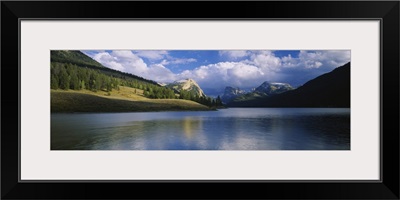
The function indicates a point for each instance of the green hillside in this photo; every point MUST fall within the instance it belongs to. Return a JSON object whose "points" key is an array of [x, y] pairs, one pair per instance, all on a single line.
{"points": [[85, 101]]}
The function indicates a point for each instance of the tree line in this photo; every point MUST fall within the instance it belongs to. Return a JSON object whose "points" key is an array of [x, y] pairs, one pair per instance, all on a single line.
{"points": [[69, 76], [208, 101]]}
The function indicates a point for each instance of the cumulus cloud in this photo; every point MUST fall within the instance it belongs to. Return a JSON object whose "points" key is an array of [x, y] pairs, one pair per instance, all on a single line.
{"points": [[317, 59], [226, 74], [235, 54], [260, 66], [266, 60], [127, 61], [177, 61], [164, 56], [160, 73]]}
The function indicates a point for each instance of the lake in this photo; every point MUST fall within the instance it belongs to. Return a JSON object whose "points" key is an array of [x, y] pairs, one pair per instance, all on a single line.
{"points": [[225, 129]]}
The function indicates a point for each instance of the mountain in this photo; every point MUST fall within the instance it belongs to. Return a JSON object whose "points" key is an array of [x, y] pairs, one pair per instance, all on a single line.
{"points": [[188, 85], [231, 93], [328, 90], [74, 57], [264, 90], [273, 88]]}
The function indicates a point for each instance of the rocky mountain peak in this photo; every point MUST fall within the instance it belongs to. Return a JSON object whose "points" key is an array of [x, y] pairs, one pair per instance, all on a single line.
{"points": [[271, 88], [187, 85], [231, 93]]}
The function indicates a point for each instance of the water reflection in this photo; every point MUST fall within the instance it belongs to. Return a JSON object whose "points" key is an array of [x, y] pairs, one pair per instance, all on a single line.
{"points": [[230, 129], [190, 126]]}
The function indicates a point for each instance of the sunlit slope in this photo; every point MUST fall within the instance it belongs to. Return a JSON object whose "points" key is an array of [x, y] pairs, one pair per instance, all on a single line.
{"points": [[125, 99]]}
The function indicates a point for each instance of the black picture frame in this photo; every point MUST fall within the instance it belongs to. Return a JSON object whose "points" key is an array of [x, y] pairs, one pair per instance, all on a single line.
{"points": [[386, 11]]}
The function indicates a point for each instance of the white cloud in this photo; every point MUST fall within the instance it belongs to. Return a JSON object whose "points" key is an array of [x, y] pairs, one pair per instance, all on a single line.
{"points": [[182, 60], [126, 61], [225, 74], [103, 57], [164, 62], [131, 62], [159, 73], [152, 55], [116, 66], [234, 54], [177, 61], [266, 60], [317, 59]]}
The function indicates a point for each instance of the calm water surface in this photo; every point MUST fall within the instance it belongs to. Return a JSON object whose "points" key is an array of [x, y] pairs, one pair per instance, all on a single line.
{"points": [[226, 129]]}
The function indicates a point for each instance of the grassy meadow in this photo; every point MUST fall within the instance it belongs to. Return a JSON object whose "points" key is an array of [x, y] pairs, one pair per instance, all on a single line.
{"points": [[126, 99]]}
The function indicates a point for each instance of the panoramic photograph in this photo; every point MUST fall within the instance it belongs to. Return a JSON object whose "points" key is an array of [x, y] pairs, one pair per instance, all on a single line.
{"points": [[200, 99]]}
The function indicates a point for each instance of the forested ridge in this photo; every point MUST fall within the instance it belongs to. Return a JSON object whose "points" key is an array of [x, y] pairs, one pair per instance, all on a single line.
{"points": [[69, 76]]}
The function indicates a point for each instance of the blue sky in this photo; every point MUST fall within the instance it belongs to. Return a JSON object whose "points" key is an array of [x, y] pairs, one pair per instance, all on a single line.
{"points": [[214, 70]]}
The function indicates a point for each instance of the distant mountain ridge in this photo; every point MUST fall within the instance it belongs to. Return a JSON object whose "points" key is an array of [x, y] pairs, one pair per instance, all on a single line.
{"points": [[231, 93], [273, 88], [328, 90], [265, 89]]}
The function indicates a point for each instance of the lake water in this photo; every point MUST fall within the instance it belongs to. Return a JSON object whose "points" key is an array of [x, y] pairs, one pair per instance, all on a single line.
{"points": [[226, 129]]}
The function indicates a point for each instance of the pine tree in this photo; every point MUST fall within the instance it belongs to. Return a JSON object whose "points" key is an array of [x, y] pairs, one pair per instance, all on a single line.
{"points": [[92, 82], [54, 82], [218, 101], [64, 79], [83, 85], [74, 82]]}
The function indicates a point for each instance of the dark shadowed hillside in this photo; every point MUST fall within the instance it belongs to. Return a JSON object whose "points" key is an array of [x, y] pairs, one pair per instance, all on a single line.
{"points": [[73, 57], [328, 90]]}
